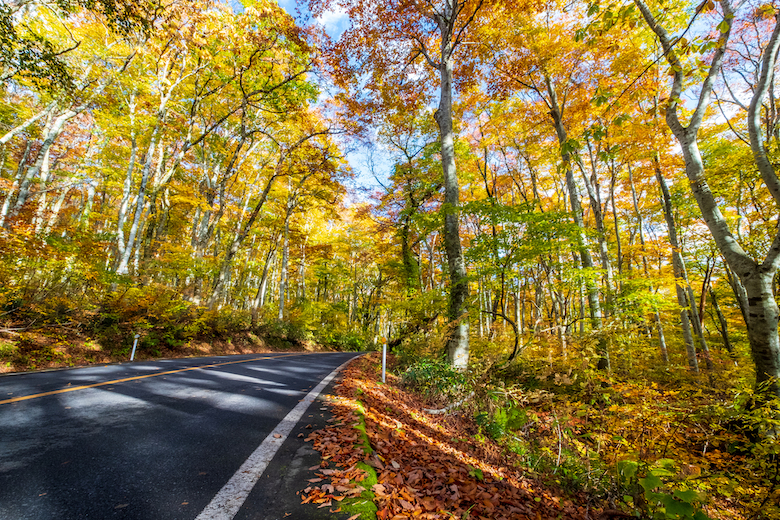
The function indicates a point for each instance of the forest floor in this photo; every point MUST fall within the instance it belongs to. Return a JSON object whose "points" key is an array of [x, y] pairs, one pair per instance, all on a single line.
{"points": [[383, 446], [46, 350], [599, 449]]}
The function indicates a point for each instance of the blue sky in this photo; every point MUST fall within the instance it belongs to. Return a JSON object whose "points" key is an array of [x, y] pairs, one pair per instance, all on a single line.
{"points": [[335, 23]]}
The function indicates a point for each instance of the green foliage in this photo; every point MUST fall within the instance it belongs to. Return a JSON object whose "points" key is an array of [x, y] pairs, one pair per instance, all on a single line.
{"points": [[523, 235], [32, 351], [284, 334], [434, 379], [504, 420], [658, 441], [652, 490], [351, 341], [224, 322], [24, 53], [158, 314], [324, 323]]}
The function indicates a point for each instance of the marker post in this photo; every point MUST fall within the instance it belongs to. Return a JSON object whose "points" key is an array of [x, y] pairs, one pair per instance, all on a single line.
{"points": [[384, 358], [135, 342]]}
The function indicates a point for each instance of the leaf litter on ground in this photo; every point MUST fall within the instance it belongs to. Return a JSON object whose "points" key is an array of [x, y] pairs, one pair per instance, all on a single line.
{"points": [[427, 466]]}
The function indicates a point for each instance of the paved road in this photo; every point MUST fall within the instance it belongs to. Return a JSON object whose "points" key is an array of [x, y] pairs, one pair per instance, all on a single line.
{"points": [[153, 440]]}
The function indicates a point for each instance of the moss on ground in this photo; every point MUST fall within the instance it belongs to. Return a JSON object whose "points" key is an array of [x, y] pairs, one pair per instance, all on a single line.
{"points": [[363, 504]]}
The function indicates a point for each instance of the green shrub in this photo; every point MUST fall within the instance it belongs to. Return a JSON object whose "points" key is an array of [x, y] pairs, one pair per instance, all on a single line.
{"points": [[160, 315], [343, 341], [434, 379], [225, 322], [284, 333]]}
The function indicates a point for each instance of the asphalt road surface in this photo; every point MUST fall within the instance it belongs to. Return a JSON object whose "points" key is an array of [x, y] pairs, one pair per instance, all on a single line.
{"points": [[161, 440]]}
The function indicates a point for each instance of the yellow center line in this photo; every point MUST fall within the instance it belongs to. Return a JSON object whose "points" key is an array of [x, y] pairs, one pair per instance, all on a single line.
{"points": [[84, 387]]}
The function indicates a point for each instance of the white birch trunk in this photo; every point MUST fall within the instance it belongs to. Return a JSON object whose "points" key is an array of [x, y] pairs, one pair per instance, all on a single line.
{"points": [[757, 278]]}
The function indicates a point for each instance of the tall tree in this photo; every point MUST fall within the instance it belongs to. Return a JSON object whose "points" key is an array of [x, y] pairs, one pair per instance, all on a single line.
{"points": [[757, 276], [387, 44]]}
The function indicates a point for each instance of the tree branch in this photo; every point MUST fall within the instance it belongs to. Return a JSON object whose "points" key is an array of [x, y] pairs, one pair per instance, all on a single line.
{"points": [[768, 62]]}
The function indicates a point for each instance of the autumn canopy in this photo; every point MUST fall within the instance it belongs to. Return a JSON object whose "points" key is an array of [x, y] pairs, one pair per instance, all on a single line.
{"points": [[482, 183]]}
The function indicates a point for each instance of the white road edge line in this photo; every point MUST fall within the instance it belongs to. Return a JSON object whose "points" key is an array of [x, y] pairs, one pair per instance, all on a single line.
{"points": [[226, 503]]}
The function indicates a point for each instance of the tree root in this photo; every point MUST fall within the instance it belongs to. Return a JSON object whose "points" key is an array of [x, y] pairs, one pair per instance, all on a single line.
{"points": [[448, 407]]}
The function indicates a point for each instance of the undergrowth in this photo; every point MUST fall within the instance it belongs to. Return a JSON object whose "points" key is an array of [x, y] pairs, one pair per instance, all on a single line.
{"points": [[41, 333], [653, 441]]}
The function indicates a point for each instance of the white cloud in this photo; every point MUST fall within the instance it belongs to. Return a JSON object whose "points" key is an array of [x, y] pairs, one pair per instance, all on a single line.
{"points": [[335, 21]]}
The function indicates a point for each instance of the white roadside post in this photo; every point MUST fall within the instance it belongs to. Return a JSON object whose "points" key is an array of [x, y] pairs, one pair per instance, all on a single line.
{"points": [[384, 357], [135, 342]]}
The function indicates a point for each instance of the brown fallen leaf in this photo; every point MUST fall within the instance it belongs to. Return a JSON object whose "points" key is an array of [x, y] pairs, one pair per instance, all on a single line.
{"points": [[277, 436], [418, 481]]}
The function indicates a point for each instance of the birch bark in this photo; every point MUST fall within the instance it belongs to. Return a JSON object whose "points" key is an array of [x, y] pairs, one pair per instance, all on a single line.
{"points": [[756, 277], [583, 251]]}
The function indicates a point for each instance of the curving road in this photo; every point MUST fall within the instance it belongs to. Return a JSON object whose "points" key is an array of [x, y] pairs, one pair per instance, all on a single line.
{"points": [[160, 440]]}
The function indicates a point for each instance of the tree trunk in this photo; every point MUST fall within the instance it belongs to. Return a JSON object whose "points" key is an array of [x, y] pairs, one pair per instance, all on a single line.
{"points": [[15, 185], [656, 314], [128, 184], [301, 292], [582, 246], [41, 164], [458, 341], [723, 327], [285, 259], [678, 265], [757, 278], [594, 197], [140, 203]]}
